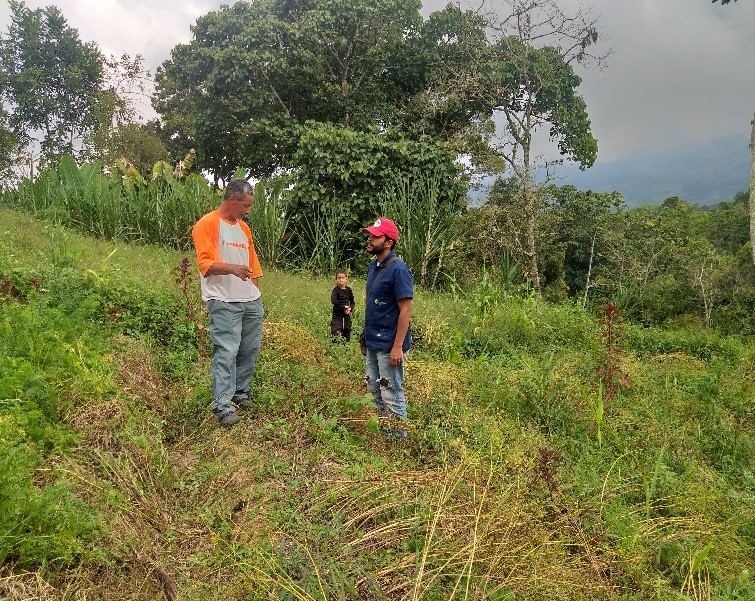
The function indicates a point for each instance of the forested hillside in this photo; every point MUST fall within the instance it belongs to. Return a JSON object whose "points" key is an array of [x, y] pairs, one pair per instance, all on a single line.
{"points": [[701, 174]]}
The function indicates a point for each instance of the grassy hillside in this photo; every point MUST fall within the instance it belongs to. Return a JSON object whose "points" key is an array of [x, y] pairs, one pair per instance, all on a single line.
{"points": [[523, 478]]}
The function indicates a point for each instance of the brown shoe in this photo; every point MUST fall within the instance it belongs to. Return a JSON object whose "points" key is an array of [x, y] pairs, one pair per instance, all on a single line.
{"points": [[229, 419], [245, 403]]}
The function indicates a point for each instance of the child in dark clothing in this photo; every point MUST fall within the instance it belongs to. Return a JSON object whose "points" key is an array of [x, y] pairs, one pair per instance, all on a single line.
{"points": [[343, 304]]}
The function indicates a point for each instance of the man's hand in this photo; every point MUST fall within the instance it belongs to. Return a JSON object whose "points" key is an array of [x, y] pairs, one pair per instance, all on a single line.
{"points": [[241, 271], [397, 356], [347, 310]]}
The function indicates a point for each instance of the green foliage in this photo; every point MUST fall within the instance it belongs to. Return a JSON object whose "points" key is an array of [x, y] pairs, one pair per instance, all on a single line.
{"points": [[305, 499], [45, 354], [161, 211], [541, 83], [341, 176], [427, 225], [52, 80], [269, 218], [132, 144], [10, 150], [368, 65], [691, 341], [40, 525]]}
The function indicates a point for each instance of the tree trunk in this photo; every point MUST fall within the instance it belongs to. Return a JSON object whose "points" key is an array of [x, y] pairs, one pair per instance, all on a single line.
{"points": [[530, 202], [752, 192], [530, 216], [589, 269]]}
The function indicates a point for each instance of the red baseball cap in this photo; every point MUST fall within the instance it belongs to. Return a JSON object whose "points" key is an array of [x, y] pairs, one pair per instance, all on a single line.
{"points": [[383, 227]]}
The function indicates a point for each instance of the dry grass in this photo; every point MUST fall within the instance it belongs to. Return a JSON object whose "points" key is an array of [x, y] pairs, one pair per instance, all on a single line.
{"points": [[26, 586], [295, 342], [426, 380], [466, 527]]}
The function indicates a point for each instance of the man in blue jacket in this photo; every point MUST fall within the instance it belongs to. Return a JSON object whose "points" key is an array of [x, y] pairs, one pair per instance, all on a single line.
{"points": [[390, 289]]}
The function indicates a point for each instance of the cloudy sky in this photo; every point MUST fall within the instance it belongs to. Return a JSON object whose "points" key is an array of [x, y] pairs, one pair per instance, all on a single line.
{"points": [[681, 72]]}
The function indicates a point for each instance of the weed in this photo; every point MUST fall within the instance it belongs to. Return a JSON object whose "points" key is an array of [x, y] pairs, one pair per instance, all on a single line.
{"points": [[195, 312], [612, 377]]}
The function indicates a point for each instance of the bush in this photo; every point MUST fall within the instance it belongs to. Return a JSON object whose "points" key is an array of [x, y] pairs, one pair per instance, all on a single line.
{"points": [[40, 525], [704, 345]]}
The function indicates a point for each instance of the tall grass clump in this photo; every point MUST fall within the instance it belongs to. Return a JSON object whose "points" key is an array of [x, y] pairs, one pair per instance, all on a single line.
{"points": [[160, 211], [269, 219], [426, 226], [324, 240]]}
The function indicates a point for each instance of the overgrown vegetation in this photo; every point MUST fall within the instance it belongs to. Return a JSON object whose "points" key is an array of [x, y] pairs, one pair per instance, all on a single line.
{"points": [[684, 267], [581, 386], [510, 487]]}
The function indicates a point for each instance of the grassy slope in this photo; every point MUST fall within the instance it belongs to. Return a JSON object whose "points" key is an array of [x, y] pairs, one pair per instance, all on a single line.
{"points": [[504, 491]]}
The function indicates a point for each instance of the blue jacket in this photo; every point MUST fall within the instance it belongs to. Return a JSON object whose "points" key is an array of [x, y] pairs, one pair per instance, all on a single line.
{"points": [[381, 310]]}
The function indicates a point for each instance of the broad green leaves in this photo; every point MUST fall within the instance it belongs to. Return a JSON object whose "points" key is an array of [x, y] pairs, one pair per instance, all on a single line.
{"points": [[351, 173]]}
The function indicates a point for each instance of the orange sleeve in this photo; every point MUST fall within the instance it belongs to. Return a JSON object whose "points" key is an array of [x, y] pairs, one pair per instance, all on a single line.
{"points": [[205, 234], [254, 262]]}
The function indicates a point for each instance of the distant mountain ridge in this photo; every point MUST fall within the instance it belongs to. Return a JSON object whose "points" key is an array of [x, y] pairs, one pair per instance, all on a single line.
{"points": [[703, 175]]}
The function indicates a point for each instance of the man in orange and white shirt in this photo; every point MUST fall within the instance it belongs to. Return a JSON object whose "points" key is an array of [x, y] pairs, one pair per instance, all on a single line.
{"points": [[230, 271]]}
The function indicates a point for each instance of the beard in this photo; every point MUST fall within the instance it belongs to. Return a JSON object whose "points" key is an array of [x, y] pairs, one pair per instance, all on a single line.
{"points": [[375, 249]]}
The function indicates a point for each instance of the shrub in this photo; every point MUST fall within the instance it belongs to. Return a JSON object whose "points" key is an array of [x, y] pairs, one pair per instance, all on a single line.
{"points": [[705, 345], [40, 525]]}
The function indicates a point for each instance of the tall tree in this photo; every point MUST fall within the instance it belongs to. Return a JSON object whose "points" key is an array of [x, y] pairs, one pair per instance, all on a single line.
{"points": [[52, 81], [9, 149], [255, 73], [451, 65], [582, 224], [536, 88], [125, 82]]}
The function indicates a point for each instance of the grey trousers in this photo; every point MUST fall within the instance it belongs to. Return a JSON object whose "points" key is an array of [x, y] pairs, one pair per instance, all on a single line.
{"points": [[236, 334]]}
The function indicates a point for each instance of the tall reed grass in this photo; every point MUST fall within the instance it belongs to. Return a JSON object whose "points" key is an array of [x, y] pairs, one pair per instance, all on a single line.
{"points": [[161, 211], [426, 225]]}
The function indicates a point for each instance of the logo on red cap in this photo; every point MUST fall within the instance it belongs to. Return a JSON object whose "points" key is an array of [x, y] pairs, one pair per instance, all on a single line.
{"points": [[383, 227]]}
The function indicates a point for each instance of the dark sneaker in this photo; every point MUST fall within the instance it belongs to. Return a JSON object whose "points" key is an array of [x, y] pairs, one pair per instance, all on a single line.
{"points": [[229, 419], [243, 403]]}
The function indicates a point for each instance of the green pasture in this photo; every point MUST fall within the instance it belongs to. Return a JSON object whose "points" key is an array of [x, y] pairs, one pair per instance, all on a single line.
{"points": [[527, 474]]}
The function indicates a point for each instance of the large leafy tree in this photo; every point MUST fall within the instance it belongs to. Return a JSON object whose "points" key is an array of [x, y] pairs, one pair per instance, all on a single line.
{"points": [[52, 81], [254, 73], [348, 97], [451, 62]]}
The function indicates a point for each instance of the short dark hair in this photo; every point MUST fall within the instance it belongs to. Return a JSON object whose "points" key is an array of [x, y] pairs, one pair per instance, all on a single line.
{"points": [[238, 188], [339, 272]]}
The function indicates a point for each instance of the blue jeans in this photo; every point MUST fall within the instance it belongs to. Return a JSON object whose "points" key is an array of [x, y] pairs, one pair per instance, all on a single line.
{"points": [[386, 383], [236, 334]]}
